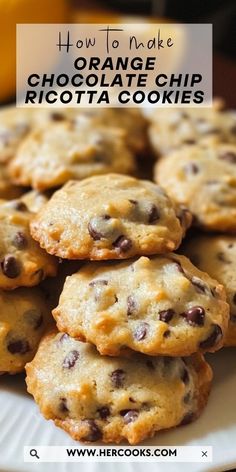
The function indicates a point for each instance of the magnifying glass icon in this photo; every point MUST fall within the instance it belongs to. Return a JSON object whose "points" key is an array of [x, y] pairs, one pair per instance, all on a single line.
{"points": [[34, 453]]}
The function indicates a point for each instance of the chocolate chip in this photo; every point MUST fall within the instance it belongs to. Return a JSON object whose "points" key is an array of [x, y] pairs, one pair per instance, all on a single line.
{"points": [[185, 376], [104, 412], [141, 331], [191, 168], [153, 214], [34, 318], [93, 233], [123, 244], [199, 285], [100, 155], [70, 359], [20, 240], [94, 433], [167, 333], [96, 282], [118, 378], [184, 115], [234, 299], [21, 346], [62, 338], [228, 156], [213, 339], [10, 267], [63, 405], [195, 316], [129, 415], [131, 306], [166, 315], [189, 141], [222, 258], [20, 206], [132, 400], [96, 225], [188, 418], [56, 116], [134, 202]]}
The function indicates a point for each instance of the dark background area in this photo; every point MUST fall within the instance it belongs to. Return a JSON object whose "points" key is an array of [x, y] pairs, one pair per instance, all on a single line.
{"points": [[221, 13]]}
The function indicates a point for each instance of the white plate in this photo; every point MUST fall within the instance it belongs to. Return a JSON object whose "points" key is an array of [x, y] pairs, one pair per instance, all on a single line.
{"points": [[22, 425]]}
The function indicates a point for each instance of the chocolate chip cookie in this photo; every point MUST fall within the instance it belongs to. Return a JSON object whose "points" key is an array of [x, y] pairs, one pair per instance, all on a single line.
{"points": [[97, 398], [109, 217], [216, 255], [203, 178], [173, 128], [159, 306], [24, 316], [17, 123], [65, 150], [130, 120], [22, 261]]}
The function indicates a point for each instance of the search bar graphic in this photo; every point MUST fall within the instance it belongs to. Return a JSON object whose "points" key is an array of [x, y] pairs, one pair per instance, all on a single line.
{"points": [[86, 453]]}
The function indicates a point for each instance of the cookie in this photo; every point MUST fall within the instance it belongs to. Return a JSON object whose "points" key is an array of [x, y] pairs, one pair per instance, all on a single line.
{"points": [[97, 398], [22, 261], [8, 191], [15, 124], [203, 179], [109, 217], [24, 317], [130, 120], [216, 255], [173, 128], [52, 155], [158, 306], [34, 200]]}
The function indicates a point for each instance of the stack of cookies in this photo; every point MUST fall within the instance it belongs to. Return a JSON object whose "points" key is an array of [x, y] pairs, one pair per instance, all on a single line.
{"points": [[126, 319], [126, 359], [41, 149], [198, 169], [24, 314]]}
